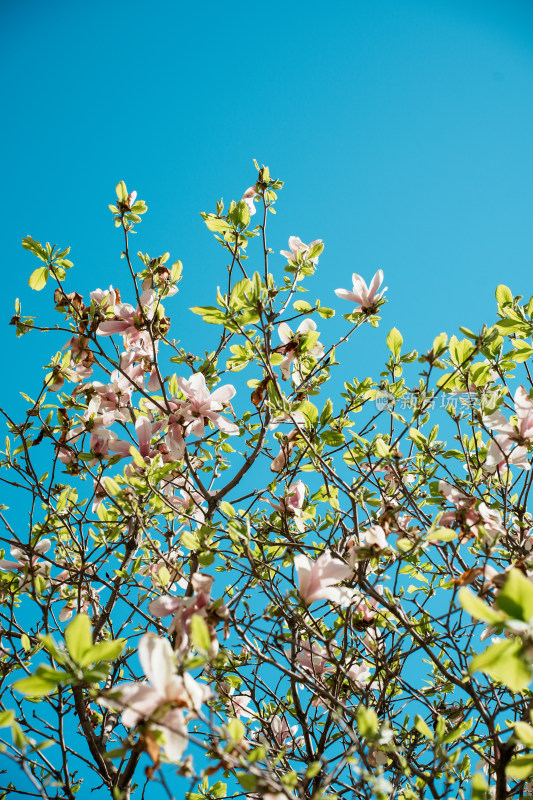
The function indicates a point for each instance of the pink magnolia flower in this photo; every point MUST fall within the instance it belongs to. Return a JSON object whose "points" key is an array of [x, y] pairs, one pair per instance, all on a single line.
{"points": [[184, 608], [459, 499], [503, 448], [366, 607], [285, 451], [297, 247], [248, 198], [26, 565], [365, 296], [470, 514], [154, 384], [240, 703], [171, 562], [105, 299], [374, 538], [189, 504], [81, 604], [313, 657], [291, 346], [317, 579], [293, 502], [203, 405], [81, 357], [151, 700], [116, 394], [131, 322], [358, 674], [175, 437], [143, 429], [283, 733], [162, 281]]}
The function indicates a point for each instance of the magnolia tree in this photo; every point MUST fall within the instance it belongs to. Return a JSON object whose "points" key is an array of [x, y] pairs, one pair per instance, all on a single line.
{"points": [[227, 583]]}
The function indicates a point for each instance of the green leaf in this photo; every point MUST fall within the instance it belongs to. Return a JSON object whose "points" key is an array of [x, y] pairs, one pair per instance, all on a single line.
{"points": [[79, 638], [502, 662], [43, 682], [215, 224], [367, 722], [480, 789], [52, 648], [520, 768], [308, 341], [516, 596], [333, 438], [309, 411], [315, 250], [522, 351], [190, 540], [35, 247], [111, 486], [313, 769], [200, 634], [219, 789], [457, 732], [39, 278], [105, 651], [423, 728], [418, 438], [326, 313], [327, 412], [236, 730], [19, 739], [138, 460], [394, 342], [248, 782], [210, 314], [381, 448], [241, 214], [6, 718], [477, 608], [122, 192], [439, 344], [441, 535], [302, 306], [524, 733], [227, 509], [503, 295]]}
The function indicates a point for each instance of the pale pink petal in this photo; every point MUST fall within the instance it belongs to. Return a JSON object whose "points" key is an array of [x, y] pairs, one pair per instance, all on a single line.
{"points": [[109, 327], [375, 283], [307, 325], [295, 244], [157, 660], [223, 394], [163, 606], [223, 424], [284, 332], [143, 428], [175, 734], [140, 700], [344, 294]]}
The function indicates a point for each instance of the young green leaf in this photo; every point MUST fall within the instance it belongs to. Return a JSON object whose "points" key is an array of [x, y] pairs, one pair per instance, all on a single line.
{"points": [[39, 278]]}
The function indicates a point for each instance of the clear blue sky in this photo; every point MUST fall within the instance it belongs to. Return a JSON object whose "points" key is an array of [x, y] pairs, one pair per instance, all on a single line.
{"points": [[403, 130]]}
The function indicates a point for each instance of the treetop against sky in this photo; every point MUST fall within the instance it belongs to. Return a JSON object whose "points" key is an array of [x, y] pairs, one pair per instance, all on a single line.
{"points": [[237, 573]]}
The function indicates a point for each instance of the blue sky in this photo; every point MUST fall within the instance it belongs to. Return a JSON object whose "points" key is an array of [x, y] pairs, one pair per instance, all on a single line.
{"points": [[403, 131]]}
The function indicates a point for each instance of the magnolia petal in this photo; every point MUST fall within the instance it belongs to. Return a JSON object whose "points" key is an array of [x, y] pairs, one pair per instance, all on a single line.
{"points": [[157, 661], [175, 732]]}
